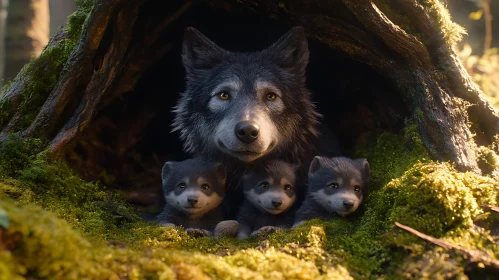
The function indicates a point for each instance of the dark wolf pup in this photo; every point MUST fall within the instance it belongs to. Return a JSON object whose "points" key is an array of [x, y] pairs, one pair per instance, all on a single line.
{"points": [[245, 108], [194, 190], [336, 186], [269, 193]]}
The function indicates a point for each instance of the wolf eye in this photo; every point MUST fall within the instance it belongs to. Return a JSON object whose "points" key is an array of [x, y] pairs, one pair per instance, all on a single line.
{"points": [[264, 185], [356, 188], [223, 95], [271, 96], [181, 186], [333, 186], [205, 187], [287, 187]]}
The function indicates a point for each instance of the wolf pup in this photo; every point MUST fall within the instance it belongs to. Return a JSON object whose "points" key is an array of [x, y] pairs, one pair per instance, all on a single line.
{"points": [[242, 108], [269, 194], [336, 185], [194, 190]]}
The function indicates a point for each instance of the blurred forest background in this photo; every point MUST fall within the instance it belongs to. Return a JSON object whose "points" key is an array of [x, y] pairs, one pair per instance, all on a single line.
{"points": [[27, 25]]}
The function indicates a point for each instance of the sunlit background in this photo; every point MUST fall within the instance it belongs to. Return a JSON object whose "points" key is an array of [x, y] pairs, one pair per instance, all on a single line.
{"points": [[27, 25]]}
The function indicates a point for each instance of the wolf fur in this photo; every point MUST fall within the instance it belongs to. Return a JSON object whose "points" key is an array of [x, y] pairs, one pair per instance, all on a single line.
{"points": [[244, 109], [336, 186], [194, 190], [269, 192]]}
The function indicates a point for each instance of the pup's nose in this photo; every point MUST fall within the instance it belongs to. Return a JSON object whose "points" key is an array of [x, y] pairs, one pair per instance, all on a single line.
{"points": [[276, 202], [192, 200], [348, 204], [247, 131]]}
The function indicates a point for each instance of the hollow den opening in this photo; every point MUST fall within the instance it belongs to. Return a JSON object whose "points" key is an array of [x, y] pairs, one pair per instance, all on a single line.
{"points": [[129, 140]]}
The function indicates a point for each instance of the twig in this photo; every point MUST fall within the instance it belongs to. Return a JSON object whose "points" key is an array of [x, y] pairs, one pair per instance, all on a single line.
{"points": [[491, 207], [488, 26], [475, 256]]}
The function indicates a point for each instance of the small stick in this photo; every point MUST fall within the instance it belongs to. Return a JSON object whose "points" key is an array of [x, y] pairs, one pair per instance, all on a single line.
{"points": [[474, 256]]}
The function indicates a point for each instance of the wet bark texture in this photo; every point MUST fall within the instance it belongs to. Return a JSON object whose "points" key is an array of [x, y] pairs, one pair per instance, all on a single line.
{"points": [[99, 113]]}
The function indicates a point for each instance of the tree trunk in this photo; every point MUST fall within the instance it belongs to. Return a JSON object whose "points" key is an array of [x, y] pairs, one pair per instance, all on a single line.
{"points": [[3, 23], [373, 64], [27, 33], [59, 12]]}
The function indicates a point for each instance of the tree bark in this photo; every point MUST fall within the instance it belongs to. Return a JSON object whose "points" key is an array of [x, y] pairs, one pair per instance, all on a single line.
{"points": [[27, 33], [89, 118]]}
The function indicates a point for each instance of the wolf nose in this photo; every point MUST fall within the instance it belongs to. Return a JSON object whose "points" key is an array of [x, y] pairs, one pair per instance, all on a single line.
{"points": [[348, 204], [276, 202], [192, 200], [247, 132]]}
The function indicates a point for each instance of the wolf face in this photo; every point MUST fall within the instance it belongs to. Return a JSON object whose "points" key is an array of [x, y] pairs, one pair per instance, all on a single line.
{"points": [[338, 184], [271, 188], [245, 105], [193, 186]]}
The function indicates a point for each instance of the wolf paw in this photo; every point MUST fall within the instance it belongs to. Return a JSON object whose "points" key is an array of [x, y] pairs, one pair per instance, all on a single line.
{"points": [[227, 228], [197, 232], [263, 231]]}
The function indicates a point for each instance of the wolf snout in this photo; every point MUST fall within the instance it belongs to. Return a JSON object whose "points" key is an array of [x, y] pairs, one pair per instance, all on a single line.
{"points": [[192, 200], [276, 202], [247, 131], [348, 204]]}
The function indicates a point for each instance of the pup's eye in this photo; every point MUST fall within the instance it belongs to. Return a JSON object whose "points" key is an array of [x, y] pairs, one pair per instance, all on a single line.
{"points": [[264, 185], [271, 96], [287, 187], [223, 95], [333, 186], [356, 188], [181, 186], [205, 187]]}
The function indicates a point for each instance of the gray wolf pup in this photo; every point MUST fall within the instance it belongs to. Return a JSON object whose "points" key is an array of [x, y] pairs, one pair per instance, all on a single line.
{"points": [[245, 108], [269, 193], [194, 190], [335, 186]]}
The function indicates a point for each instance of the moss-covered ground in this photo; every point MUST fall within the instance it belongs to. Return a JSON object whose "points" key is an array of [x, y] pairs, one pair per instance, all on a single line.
{"points": [[65, 228]]}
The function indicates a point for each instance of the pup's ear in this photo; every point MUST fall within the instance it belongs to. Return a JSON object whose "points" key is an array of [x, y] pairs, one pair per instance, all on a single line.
{"points": [[220, 172], [291, 51], [167, 170], [364, 168], [199, 52], [315, 165]]}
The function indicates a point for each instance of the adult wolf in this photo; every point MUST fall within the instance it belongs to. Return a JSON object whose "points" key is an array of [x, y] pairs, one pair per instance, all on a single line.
{"points": [[246, 108]]}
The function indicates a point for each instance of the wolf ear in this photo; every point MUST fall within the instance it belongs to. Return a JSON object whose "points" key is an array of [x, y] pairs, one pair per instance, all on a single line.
{"points": [[315, 165], [167, 170], [220, 172], [364, 167], [291, 51], [199, 52]]}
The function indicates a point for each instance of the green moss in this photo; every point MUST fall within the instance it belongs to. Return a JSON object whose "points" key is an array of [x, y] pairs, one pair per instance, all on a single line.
{"points": [[488, 161], [434, 264], [451, 31], [45, 70], [51, 208], [390, 155]]}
